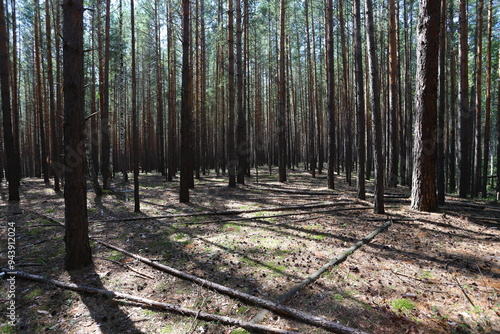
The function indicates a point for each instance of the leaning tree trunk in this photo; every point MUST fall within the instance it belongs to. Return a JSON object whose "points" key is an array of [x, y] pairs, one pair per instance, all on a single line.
{"points": [[424, 148], [78, 253], [11, 154]]}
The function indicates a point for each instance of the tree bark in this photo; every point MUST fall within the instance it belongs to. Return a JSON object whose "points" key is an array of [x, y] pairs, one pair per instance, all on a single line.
{"points": [[360, 100], [78, 253], [10, 152], [478, 105], [424, 148], [487, 121], [282, 150], [186, 108], [376, 113], [331, 99], [393, 97], [135, 125], [465, 116], [440, 179], [105, 143], [231, 149], [242, 145]]}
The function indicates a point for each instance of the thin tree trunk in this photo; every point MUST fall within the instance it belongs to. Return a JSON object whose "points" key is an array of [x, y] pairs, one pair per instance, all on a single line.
{"points": [[135, 125], [376, 113], [159, 94], [11, 155], [360, 100], [331, 99], [487, 121], [282, 98], [479, 76], [440, 181], [15, 95], [105, 143], [78, 253], [39, 98], [310, 94], [465, 117], [231, 149], [453, 108], [393, 97], [172, 112], [242, 144], [423, 191], [186, 108]]}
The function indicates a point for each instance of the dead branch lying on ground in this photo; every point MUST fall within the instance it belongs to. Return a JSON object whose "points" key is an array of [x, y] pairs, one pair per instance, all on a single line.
{"points": [[229, 212], [263, 303], [293, 192], [324, 268], [151, 303]]}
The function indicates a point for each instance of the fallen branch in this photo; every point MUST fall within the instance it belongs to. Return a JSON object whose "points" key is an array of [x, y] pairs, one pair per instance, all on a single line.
{"points": [[149, 302], [465, 293], [293, 192], [259, 316], [277, 216], [126, 267], [226, 213], [263, 303]]}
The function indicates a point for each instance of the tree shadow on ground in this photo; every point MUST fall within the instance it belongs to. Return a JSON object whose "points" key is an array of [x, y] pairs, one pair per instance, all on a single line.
{"points": [[106, 313]]}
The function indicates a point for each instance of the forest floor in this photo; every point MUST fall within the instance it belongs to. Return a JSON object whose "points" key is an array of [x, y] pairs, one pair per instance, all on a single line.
{"points": [[427, 273]]}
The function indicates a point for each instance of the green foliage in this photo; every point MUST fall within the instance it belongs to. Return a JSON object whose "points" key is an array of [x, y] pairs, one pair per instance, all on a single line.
{"points": [[402, 305]]}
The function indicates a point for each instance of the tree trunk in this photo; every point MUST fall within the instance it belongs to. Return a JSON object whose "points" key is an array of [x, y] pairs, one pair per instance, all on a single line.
{"points": [[465, 117], [242, 144], [186, 108], [393, 97], [424, 148], [282, 98], [159, 94], [78, 253], [487, 121], [135, 126], [453, 108], [331, 98], [440, 182], [478, 97], [498, 131], [10, 152], [231, 149], [375, 106], [105, 143], [172, 110], [312, 115], [360, 100]]}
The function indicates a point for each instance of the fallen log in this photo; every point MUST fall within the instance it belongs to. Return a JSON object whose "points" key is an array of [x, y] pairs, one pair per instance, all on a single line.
{"points": [[259, 316], [152, 303], [227, 213], [263, 303]]}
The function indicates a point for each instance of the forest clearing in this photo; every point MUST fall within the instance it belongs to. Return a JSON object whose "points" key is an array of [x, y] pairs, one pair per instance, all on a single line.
{"points": [[426, 273], [250, 166]]}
